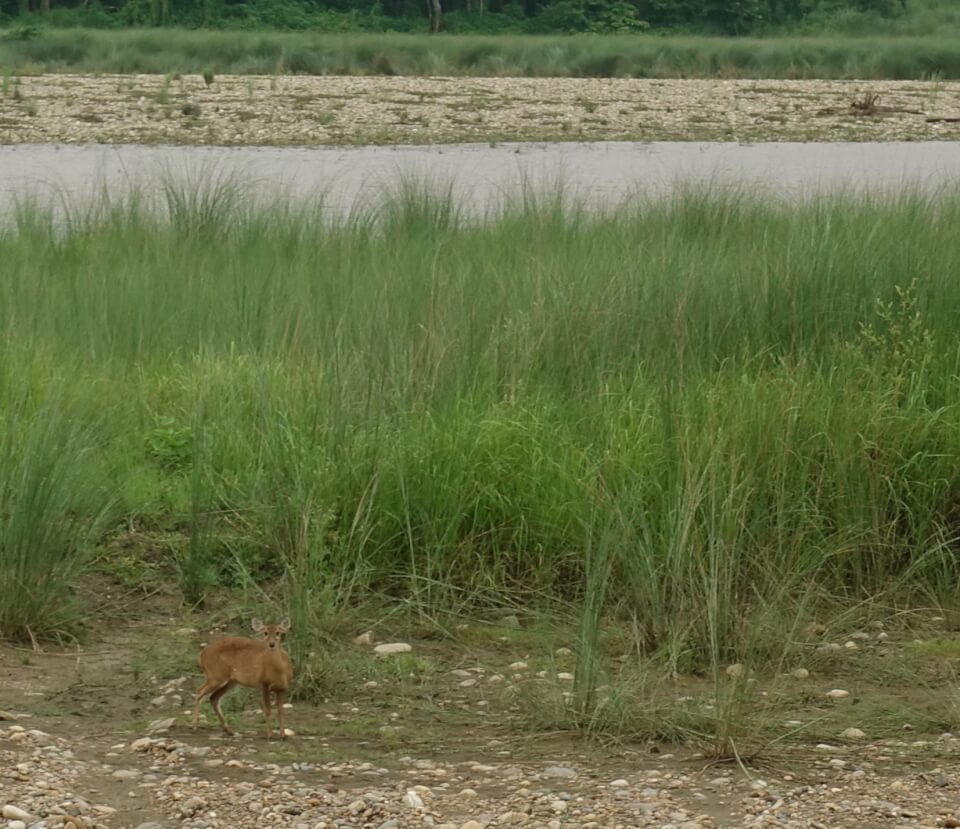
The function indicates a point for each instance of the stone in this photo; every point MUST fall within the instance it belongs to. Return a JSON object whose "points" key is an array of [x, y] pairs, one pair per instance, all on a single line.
{"points": [[11, 812], [392, 648], [161, 726], [561, 772], [412, 799], [800, 673], [518, 666], [838, 693], [364, 638], [852, 734]]}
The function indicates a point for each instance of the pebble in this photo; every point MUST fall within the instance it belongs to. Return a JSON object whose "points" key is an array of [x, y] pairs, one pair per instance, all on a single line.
{"points": [[838, 693], [562, 772], [391, 648], [11, 812], [853, 734]]}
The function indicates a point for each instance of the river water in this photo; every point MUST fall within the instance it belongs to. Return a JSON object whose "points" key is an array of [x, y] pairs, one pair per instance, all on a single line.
{"points": [[480, 176]]}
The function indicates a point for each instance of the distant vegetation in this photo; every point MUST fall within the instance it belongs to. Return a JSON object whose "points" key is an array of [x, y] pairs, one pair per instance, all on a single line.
{"points": [[728, 17], [166, 51]]}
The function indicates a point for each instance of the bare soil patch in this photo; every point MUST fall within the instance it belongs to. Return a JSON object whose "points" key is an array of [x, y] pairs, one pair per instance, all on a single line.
{"points": [[98, 734]]}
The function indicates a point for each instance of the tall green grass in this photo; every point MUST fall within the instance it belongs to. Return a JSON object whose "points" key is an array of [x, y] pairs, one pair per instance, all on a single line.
{"points": [[712, 415], [163, 51]]}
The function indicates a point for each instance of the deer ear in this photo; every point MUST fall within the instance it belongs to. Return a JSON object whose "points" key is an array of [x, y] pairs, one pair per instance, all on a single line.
{"points": [[257, 625], [284, 626]]}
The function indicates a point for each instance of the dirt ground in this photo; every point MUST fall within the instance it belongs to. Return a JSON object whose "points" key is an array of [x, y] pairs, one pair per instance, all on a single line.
{"points": [[98, 735], [310, 111]]}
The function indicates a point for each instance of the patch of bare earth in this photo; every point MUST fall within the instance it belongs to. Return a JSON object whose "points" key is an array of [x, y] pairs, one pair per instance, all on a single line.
{"points": [[311, 111], [99, 736]]}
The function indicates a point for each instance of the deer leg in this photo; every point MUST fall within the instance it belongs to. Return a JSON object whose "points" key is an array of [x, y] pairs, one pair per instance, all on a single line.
{"points": [[205, 689], [283, 731], [215, 698], [266, 707]]}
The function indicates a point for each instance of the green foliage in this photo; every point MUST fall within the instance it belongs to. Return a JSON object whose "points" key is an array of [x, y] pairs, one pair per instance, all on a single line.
{"points": [[170, 445], [709, 415], [170, 52], [736, 17], [53, 503]]}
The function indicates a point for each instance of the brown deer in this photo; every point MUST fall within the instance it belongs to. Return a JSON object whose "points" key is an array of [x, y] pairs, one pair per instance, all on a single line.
{"points": [[253, 663]]}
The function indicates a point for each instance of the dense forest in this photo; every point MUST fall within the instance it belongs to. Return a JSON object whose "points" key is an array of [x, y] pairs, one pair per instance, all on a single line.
{"points": [[482, 16]]}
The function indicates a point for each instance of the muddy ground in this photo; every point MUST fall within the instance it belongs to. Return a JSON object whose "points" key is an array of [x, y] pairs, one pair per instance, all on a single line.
{"points": [[311, 111], [449, 736]]}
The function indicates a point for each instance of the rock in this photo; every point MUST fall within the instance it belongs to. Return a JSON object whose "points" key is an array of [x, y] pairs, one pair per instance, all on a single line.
{"points": [[829, 648], [735, 670], [150, 825], [853, 734], [565, 676], [126, 774], [471, 824], [7, 715], [156, 702], [393, 823], [619, 783], [364, 638], [183, 632], [16, 824], [851, 645], [518, 666], [800, 673], [509, 621], [11, 812], [392, 648], [161, 726], [561, 772], [412, 799], [191, 806], [468, 683], [838, 693], [563, 652]]}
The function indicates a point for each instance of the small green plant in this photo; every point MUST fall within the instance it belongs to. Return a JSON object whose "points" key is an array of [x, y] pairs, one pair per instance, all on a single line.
{"points": [[208, 77], [170, 445], [191, 110]]}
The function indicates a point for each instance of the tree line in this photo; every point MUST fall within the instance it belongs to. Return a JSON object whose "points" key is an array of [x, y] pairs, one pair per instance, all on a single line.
{"points": [[492, 16]]}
